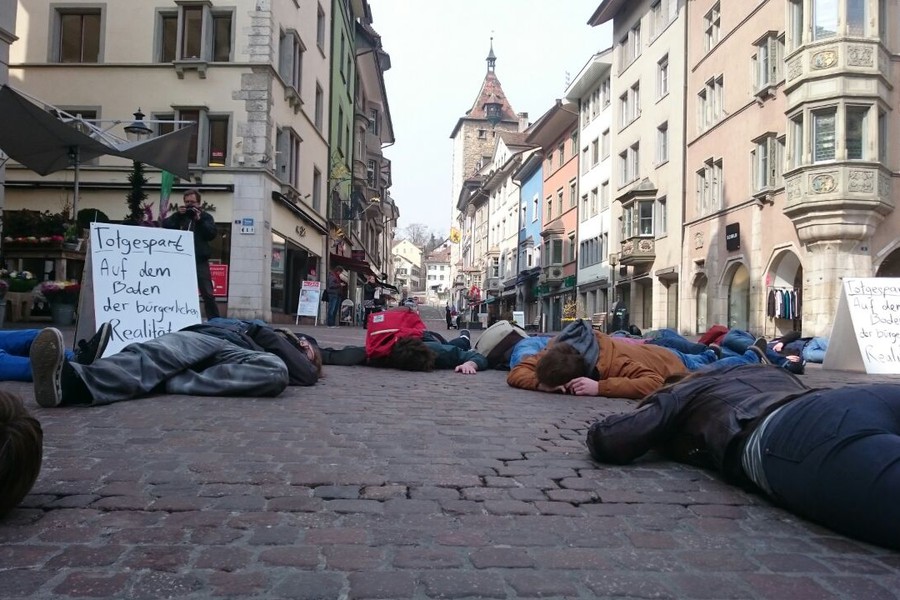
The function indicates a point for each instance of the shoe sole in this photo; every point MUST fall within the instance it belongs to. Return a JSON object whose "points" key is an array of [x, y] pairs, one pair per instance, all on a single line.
{"points": [[46, 367], [105, 332], [762, 355]]}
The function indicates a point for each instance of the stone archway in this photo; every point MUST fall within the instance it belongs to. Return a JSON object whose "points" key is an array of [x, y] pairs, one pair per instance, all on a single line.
{"points": [[890, 266], [739, 298], [785, 277]]}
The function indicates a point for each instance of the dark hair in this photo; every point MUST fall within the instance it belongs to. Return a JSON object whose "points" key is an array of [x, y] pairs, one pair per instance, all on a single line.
{"points": [[559, 364], [21, 451], [411, 354], [193, 191]]}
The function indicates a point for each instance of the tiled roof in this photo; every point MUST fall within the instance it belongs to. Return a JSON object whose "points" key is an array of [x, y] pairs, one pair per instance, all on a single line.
{"points": [[491, 91]]}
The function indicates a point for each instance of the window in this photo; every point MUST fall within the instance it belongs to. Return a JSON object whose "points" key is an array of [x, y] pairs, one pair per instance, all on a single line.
{"points": [[797, 141], [825, 18], [559, 202], [606, 91], [535, 209], [856, 119], [78, 39], [882, 137], [320, 106], [340, 131], [767, 157], [343, 54], [290, 59], [374, 121], [768, 60], [371, 170], [575, 143], [550, 161], [624, 176], [604, 144], [604, 195], [482, 134], [210, 137], [573, 194], [635, 101], [320, 28], [662, 216], [594, 203], [662, 77], [570, 255], [795, 22], [638, 219], [584, 207], [662, 143], [709, 188], [711, 28], [317, 189], [195, 32], [823, 140], [561, 152], [710, 100], [630, 46], [595, 152], [662, 13], [288, 164], [556, 251], [645, 217], [585, 160], [634, 161], [624, 111], [549, 208]]}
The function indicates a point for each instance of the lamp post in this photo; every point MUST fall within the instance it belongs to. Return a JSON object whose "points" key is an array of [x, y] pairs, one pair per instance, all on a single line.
{"points": [[138, 130], [613, 261]]}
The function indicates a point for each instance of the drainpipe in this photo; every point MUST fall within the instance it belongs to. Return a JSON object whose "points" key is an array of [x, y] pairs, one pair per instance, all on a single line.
{"points": [[684, 166]]}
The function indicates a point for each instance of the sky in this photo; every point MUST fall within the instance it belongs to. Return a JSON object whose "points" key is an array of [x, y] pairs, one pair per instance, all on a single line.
{"points": [[438, 50]]}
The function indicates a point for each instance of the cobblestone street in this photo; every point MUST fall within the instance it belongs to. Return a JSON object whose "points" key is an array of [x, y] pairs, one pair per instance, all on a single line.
{"points": [[386, 484]]}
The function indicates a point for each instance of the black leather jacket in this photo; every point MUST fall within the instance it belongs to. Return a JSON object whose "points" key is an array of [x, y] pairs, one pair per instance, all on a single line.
{"points": [[701, 421]]}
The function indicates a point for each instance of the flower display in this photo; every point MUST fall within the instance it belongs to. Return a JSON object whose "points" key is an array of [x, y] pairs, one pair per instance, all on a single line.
{"points": [[31, 240], [3, 287], [60, 292], [18, 281]]}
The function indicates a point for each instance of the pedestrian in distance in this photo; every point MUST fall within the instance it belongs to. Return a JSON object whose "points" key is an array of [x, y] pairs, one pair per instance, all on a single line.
{"points": [[829, 455], [190, 216], [334, 289]]}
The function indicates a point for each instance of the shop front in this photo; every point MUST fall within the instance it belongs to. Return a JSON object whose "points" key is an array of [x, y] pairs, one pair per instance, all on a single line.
{"points": [[292, 264]]}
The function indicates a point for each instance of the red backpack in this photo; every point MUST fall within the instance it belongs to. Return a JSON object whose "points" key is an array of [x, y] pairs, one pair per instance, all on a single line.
{"points": [[385, 328]]}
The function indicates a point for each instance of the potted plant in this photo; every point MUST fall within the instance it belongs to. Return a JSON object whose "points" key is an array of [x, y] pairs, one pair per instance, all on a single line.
{"points": [[62, 297], [18, 282]]}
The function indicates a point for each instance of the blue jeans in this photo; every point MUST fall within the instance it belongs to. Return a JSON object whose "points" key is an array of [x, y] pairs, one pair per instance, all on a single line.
{"points": [[334, 308], [833, 456], [669, 338], [814, 351], [706, 361], [15, 345]]}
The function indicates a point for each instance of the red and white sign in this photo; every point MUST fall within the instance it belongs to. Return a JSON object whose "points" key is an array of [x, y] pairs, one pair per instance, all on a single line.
{"points": [[218, 272]]}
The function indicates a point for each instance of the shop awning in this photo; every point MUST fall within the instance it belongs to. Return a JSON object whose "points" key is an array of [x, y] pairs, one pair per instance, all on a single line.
{"points": [[360, 266]]}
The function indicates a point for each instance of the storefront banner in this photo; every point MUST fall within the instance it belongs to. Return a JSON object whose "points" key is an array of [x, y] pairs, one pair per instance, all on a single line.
{"points": [[308, 305]]}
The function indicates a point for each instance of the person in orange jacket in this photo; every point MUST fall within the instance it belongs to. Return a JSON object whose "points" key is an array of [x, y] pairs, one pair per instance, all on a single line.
{"points": [[596, 364]]}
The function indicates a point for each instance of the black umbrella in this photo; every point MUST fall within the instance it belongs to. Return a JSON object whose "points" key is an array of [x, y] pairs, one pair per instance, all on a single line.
{"points": [[45, 144]]}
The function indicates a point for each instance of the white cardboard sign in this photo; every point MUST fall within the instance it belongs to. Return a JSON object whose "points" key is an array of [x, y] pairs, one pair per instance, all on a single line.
{"points": [[144, 280], [308, 304], [865, 335]]}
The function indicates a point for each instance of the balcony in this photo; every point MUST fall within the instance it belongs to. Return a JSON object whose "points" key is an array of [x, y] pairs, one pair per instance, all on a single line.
{"points": [[638, 250], [552, 275]]}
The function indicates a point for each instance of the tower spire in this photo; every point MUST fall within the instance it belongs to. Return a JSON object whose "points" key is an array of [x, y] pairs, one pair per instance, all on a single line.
{"points": [[491, 59]]}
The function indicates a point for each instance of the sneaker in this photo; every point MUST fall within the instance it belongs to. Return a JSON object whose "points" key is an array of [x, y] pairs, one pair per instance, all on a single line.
{"points": [[717, 349], [466, 334], [88, 352], [47, 357], [761, 343], [760, 354]]}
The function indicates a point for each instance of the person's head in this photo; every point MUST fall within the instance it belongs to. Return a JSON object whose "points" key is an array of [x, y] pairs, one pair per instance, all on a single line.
{"points": [[411, 354], [559, 364], [21, 451], [370, 278], [337, 270], [312, 352], [191, 198]]}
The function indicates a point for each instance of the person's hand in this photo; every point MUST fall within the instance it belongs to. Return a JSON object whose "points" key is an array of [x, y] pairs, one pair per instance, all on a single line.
{"points": [[467, 368], [583, 386], [793, 358], [558, 389], [778, 346]]}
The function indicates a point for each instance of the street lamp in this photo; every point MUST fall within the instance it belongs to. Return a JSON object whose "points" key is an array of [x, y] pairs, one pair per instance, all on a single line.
{"points": [[138, 129]]}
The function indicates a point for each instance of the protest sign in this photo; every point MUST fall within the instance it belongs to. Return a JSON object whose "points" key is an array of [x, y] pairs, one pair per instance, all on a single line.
{"points": [[144, 281], [865, 335], [308, 304]]}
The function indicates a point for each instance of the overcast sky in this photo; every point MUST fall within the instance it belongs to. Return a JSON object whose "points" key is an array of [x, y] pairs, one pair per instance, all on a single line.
{"points": [[438, 50]]}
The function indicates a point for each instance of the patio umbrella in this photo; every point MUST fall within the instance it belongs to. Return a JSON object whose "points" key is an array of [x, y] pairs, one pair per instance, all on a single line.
{"points": [[45, 144]]}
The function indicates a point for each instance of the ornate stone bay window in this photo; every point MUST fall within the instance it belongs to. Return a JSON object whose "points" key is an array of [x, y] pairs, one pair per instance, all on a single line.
{"points": [[638, 243]]}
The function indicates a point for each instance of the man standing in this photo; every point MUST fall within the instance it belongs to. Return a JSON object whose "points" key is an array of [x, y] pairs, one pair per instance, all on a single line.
{"points": [[191, 217], [334, 287], [449, 315]]}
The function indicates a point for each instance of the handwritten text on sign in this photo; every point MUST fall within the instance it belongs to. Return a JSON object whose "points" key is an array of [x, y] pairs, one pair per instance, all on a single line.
{"points": [[875, 312], [145, 281]]}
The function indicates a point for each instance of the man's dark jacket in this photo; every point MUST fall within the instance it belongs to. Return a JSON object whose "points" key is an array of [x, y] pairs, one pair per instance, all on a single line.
{"points": [[204, 231], [702, 421]]}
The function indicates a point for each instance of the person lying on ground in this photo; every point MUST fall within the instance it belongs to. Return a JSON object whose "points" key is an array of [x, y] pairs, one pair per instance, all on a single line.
{"points": [[301, 357], [427, 353], [828, 455], [15, 346], [590, 363], [182, 362], [21, 451]]}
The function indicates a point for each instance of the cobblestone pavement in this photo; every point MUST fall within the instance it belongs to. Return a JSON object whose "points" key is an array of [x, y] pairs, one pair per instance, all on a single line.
{"points": [[382, 484]]}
